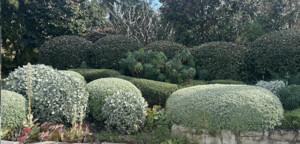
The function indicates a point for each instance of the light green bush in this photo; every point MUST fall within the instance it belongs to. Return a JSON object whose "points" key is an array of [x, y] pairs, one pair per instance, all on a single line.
{"points": [[75, 75], [125, 112], [103, 88], [229, 107], [93, 74], [54, 93], [13, 109]]}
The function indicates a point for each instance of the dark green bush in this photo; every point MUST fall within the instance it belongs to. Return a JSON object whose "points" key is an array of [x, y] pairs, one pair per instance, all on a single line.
{"points": [[107, 51], [295, 79], [64, 52], [277, 52], [154, 92], [93, 74], [291, 119], [222, 60], [290, 97], [167, 47], [94, 35]]}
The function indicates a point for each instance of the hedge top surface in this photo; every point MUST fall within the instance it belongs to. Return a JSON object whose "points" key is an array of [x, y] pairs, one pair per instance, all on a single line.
{"points": [[74, 74], [229, 107], [64, 52], [13, 109], [169, 48]]}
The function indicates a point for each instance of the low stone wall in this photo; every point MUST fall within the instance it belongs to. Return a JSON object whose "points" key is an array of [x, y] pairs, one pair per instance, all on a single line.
{"points": [[227, 137]]}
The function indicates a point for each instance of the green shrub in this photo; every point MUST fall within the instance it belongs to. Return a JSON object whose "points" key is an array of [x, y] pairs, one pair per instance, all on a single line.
{"points": [[291, 120], [74, 75], [55, 94], [222, 60], [107, 51], [101, 89], [13, 109], [154, 92], [169, 48], [229, 107], [225, 82], [124, 112], [272, 86], [64, 52], [295, 79], [276, 52], [93, 74], [290, 97]]}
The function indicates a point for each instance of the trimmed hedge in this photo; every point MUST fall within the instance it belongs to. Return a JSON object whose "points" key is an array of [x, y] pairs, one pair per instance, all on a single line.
{"points": [[101, 89], [108, 51], [276, 52], [76, 75], [154, 92], [199, 82], [167, 47], [93, 74], [222, 60], [228, 107], [13, 109], [64, 52]]}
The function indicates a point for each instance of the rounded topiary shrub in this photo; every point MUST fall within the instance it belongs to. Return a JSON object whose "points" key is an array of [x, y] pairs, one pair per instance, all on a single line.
{"points": [[222, 60], [167, 47], [64, 52], [103, 88], [75, 75], [125, 112], [228, 107], [290, 97], [55, 95], [108, 51], [276, 52], [13, 109]]}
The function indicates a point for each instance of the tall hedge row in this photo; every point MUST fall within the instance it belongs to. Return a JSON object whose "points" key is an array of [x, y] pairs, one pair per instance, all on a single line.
{"points": [[167, 47]]}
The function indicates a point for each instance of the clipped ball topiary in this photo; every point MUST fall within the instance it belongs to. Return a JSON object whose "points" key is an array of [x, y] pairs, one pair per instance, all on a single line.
{"points": [[276, 52], [13, 109], [108, 51], [290, 97], [222, 60], [75, 75], [167, 47], [103, 88], [64, 52], [228, 107], [125, 112], [55, 95]]}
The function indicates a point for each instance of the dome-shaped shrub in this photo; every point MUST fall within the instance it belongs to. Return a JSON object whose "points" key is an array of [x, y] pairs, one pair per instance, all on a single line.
{"points": [[228, 107], [277, 52], [125, 112], [103, 88], [222, 60], [13, 109], [74, 74], [167, 47], [64, 52], [108, 51], [290, 97], [55, 95]]}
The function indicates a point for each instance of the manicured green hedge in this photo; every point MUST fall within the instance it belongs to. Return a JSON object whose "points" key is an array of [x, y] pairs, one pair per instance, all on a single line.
{"points": [[13, 109], [64, 52], [230, 107], [222, 60], [108, 51], [276, 52], [74, 74], [93, 74], [167, 47], [154, 92], [199, 82]]}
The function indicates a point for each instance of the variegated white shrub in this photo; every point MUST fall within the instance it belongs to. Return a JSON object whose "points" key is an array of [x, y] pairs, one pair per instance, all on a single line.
{"points": [[125, 112], [54, 93], [273, 86]]}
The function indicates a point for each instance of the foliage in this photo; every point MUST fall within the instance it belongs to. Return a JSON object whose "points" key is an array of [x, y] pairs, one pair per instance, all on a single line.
{"points": [[154, 92], [295, 79], [156, 117], [276, 52], [64, 52], [103, 88], [154, 65], [199, 82], [27, 24], [290, 97], [229, 107], [75, 75], [273, 86], [124, 112], [106, 52], [167, 47], [93, 74], [253, 30], [222, 60], [291, 119], [54, 94], [13, 109], [96, 34]]}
